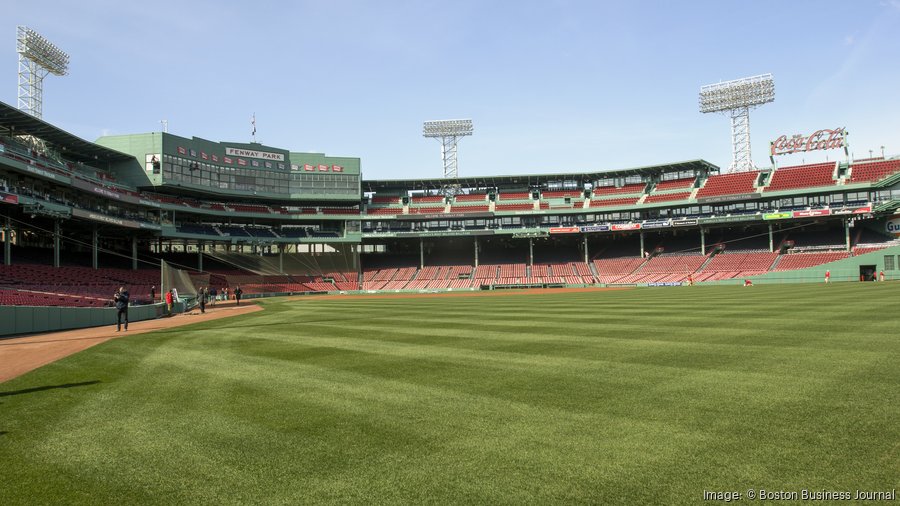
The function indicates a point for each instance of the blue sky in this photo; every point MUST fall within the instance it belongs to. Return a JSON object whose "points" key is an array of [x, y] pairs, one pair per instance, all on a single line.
{"points": [[552, 86]]}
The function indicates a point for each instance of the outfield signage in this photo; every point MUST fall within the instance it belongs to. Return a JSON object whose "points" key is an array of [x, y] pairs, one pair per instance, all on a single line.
{"points": [[564, 230], [892, 226], [112, 220], [730, 219], [777, 216], [688, 222], [105, 192], [595, 228], [530, 235], [847, 210], [727, 198], [9, 198], [250, 153], [657, 224], [819, 140], [812, 213], [43, 173], [626, 226]]}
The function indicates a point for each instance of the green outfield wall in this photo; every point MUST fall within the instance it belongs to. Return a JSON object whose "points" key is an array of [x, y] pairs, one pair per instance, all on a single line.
{"points": [[842, 270], [16, 320]]}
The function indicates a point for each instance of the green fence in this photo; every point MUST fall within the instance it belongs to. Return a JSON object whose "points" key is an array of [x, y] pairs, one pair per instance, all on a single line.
{"points": [[32, 319]]}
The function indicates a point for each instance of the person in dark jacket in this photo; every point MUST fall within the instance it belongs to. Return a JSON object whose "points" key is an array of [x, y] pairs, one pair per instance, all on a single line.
{"points": [[237, 295], [121, 300], [202, 298], [153, 294]]}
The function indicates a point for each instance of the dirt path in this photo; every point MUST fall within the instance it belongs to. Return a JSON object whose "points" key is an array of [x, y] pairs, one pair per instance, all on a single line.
{"points": [[23, 354]]}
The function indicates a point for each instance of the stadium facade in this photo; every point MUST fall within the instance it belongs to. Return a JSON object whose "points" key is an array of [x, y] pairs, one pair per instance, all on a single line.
{"points": [[280, 221]]}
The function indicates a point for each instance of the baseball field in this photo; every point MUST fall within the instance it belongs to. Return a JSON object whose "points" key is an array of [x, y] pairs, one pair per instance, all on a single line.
{"points": [[652, 395]]}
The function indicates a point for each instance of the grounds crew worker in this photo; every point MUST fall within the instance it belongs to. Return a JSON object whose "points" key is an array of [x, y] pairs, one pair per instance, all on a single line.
{"points": [[237, 295], [121, 300]]}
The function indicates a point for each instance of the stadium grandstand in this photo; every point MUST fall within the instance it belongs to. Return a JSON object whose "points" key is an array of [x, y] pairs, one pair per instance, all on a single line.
{"points": [[275, 221]]}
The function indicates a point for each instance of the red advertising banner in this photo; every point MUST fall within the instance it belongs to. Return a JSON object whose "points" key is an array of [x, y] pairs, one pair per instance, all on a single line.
{"points": [[812, 213], [308, 167], [337, 168], [565, 230], [323, 168], [863, 210], [9, 198], [819, 140], [627, 226]]}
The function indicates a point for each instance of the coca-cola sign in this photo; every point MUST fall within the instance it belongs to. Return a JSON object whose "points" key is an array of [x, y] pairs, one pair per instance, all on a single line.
{"points": [[821, 139]]}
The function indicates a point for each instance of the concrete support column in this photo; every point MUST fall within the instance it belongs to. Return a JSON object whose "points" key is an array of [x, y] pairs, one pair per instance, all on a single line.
{"points": [[134, 248], [847, 233], [56, 243], [421, 253], [95, 248], [7, 242], [281, 258], [200, 256], [702, 241], [586, 256], [642, 245], [771, 239], [476, 251], [530, 253]]}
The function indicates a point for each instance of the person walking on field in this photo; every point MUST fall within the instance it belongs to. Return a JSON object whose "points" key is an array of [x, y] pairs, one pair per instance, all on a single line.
{"points": [[121, 300], [202, 300], [237, 295]]}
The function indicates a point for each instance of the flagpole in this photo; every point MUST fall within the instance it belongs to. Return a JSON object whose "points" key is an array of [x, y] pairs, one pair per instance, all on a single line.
{"points": [[253, 122]]}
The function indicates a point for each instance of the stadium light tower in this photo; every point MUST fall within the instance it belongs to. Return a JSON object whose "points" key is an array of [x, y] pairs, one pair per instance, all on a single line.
{"points": [[37, 58], [449, 132], [736, 98]]}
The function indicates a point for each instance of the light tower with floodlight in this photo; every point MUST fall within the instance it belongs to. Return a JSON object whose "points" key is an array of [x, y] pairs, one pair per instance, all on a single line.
{"points": [[448, 131], [736, 98], [37, 58]]}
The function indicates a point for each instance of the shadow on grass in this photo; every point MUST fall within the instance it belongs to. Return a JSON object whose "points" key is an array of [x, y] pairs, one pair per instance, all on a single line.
{"points": [[48, 387]]}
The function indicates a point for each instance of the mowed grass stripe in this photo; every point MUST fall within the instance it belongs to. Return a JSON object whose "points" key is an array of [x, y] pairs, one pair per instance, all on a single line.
{"points": [[647, 395]]}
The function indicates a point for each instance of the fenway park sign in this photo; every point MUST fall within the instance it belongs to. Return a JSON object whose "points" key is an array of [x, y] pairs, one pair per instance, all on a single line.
{"points": [[819, 140]]}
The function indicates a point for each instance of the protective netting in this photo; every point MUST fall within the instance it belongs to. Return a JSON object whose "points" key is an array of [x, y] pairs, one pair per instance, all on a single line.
{"points": [[178, 279]]}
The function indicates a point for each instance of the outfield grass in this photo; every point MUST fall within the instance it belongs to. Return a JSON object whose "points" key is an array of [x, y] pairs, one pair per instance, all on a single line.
{"points": [[637, 396]]}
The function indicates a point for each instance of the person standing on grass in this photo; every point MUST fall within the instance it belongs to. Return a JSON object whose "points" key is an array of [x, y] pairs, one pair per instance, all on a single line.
{"points": [[881, 276], [237, 294], [202, 300], [827, 276], [121, 300]]}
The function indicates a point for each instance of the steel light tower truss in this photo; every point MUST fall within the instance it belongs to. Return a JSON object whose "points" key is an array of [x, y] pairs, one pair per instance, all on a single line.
{"points": [[735, 99], [37, 58], [448, 132]]}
